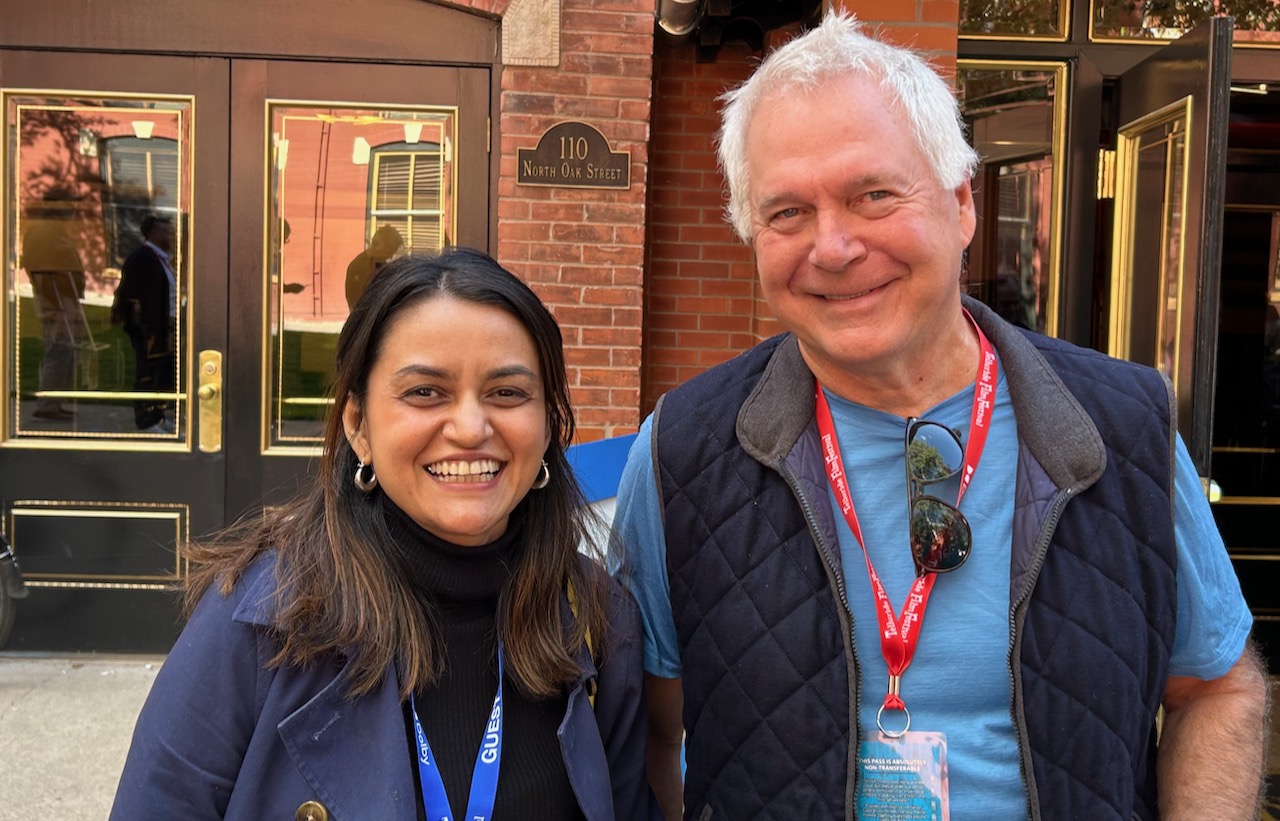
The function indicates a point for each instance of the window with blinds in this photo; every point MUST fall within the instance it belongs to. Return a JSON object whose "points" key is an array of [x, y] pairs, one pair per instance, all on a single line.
{"points": [[141, 177], [406, 192]]}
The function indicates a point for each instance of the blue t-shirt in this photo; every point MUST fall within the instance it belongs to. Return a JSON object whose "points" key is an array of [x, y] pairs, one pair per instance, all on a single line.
{"points": [[959, 682]]}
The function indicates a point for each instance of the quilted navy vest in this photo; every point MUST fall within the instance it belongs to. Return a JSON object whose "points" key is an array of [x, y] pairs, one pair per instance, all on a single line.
{"points": [[770, 681]]}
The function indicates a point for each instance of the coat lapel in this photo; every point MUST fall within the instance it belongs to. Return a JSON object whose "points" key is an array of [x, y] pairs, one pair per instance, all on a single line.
{"points": [[349, 751]]}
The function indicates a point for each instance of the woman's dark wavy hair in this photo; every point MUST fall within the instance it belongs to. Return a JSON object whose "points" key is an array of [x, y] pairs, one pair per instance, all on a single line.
{"points": [[339, 587]]}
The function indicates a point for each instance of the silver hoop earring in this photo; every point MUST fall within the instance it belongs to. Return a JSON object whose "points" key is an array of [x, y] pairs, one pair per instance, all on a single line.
{"points": [[362, 484], [544, 477]]}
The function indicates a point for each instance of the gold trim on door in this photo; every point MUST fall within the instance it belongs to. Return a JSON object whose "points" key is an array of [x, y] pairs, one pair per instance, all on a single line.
{"points": [[1057, 143], [69, 511], [78, 171], [1165, 129], [348, 187]]}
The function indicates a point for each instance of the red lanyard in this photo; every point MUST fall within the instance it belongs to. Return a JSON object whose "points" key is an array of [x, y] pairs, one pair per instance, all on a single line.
{"points": [[900, 636]]}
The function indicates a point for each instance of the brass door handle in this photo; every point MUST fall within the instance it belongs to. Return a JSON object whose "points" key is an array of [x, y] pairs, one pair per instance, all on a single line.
{"points": [[210, 395]]}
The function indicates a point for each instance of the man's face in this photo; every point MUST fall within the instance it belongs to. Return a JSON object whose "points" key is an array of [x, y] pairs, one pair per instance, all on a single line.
{"points": [[858, 248], [162, 236]]}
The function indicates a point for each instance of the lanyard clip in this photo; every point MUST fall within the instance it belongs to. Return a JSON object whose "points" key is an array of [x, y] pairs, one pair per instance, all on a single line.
{"points": [[893, 701]]}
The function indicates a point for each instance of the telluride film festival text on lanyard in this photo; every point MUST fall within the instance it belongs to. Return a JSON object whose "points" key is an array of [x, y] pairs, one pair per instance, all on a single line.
{"points": [[901, 768]]}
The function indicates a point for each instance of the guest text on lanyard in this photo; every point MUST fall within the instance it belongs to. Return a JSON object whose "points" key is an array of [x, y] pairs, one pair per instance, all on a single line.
{"points": [[899, 636], [484, 779]]}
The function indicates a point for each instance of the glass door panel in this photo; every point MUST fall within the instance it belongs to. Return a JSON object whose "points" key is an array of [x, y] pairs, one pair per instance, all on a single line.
{"points": [[1026, 19], [1167, 231], [1016, 117], [1256, 23], [1246, 452], [350, 190], [105, 467], [97, 331], [1148, 263], [1246, 437]]}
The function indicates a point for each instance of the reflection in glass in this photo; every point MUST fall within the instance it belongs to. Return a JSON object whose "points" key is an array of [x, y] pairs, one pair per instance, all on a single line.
{"points": [[1013, 18], [1246, 423], [1011, 115], [351, 189], [1146, 314], [86, 171], [1246, 435], [1256, 21], [1167, 155]]}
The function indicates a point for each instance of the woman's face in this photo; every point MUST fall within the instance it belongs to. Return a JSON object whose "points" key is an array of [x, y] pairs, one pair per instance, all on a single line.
{"points": [[454, 420]]}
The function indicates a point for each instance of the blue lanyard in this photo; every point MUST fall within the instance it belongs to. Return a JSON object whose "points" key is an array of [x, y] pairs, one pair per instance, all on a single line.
{"points": [[484, 779]]}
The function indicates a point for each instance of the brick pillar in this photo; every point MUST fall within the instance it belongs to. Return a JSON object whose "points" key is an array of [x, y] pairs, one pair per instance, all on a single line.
{"points": [[930, 26], [700, 295], [582, 250]]}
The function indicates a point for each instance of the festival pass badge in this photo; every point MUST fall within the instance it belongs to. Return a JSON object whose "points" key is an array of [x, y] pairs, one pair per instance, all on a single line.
{"points": [[903, 779]]}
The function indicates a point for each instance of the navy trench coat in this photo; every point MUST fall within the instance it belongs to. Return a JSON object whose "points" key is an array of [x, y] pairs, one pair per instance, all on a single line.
{"points": [[222, 735]]}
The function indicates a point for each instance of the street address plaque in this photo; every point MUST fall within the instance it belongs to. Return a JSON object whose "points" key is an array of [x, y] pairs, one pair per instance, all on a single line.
{"points": [[573, 155]]}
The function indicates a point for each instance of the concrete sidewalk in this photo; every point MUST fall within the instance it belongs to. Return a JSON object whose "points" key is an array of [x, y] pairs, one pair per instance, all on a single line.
{"points": [[65, 725]]}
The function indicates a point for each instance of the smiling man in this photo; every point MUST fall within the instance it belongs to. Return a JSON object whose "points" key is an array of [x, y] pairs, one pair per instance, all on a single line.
{"points": [[906, 560]]}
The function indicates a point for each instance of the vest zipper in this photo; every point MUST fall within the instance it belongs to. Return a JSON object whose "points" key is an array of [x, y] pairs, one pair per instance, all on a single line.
{"points": [[835, 578], [1056, 506]]}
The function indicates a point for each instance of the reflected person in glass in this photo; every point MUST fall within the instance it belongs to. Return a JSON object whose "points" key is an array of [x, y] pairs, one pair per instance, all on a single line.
{"points": [[52, 260], [384, 245], [146, 304], [348, 653]]}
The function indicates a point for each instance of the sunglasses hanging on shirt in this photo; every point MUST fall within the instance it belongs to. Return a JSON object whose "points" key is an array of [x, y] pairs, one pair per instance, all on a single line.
{"points": [[940, 536]]}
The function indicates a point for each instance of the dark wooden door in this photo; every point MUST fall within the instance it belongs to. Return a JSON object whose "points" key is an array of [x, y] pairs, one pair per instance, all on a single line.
{"points": [[278, 178], [101, 470], [1167, 236]]}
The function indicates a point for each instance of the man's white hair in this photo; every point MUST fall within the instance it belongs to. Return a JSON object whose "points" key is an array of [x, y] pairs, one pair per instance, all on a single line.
{"points": [[838, 47]]}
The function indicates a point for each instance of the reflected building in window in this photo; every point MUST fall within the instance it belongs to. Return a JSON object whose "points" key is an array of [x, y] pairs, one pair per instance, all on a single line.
{"points": [[1014, 114], [84, 171], [350, 190]]}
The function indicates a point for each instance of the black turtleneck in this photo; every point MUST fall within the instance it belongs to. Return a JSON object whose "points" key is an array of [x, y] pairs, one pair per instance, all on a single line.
{"points": [[463, 583]]}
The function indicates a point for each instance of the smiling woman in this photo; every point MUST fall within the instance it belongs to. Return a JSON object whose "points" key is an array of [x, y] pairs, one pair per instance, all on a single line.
{"points": [[429, 567], [453, 417]]}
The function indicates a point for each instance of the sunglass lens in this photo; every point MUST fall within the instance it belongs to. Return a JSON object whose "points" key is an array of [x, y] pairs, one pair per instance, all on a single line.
{"points": [[940, 538], [933, 453]]}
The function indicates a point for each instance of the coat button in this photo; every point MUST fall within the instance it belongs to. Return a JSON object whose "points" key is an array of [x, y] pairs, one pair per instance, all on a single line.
{"points": [[311, 811]]}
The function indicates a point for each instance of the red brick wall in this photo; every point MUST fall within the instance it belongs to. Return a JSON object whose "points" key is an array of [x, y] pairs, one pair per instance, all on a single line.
{"points": [[582, 250], [700, 294], [928, 25]]}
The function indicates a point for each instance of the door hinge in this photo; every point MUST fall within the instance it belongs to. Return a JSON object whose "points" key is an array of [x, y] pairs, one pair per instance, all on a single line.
{"points": [[1106, 173], [488, 135]]}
